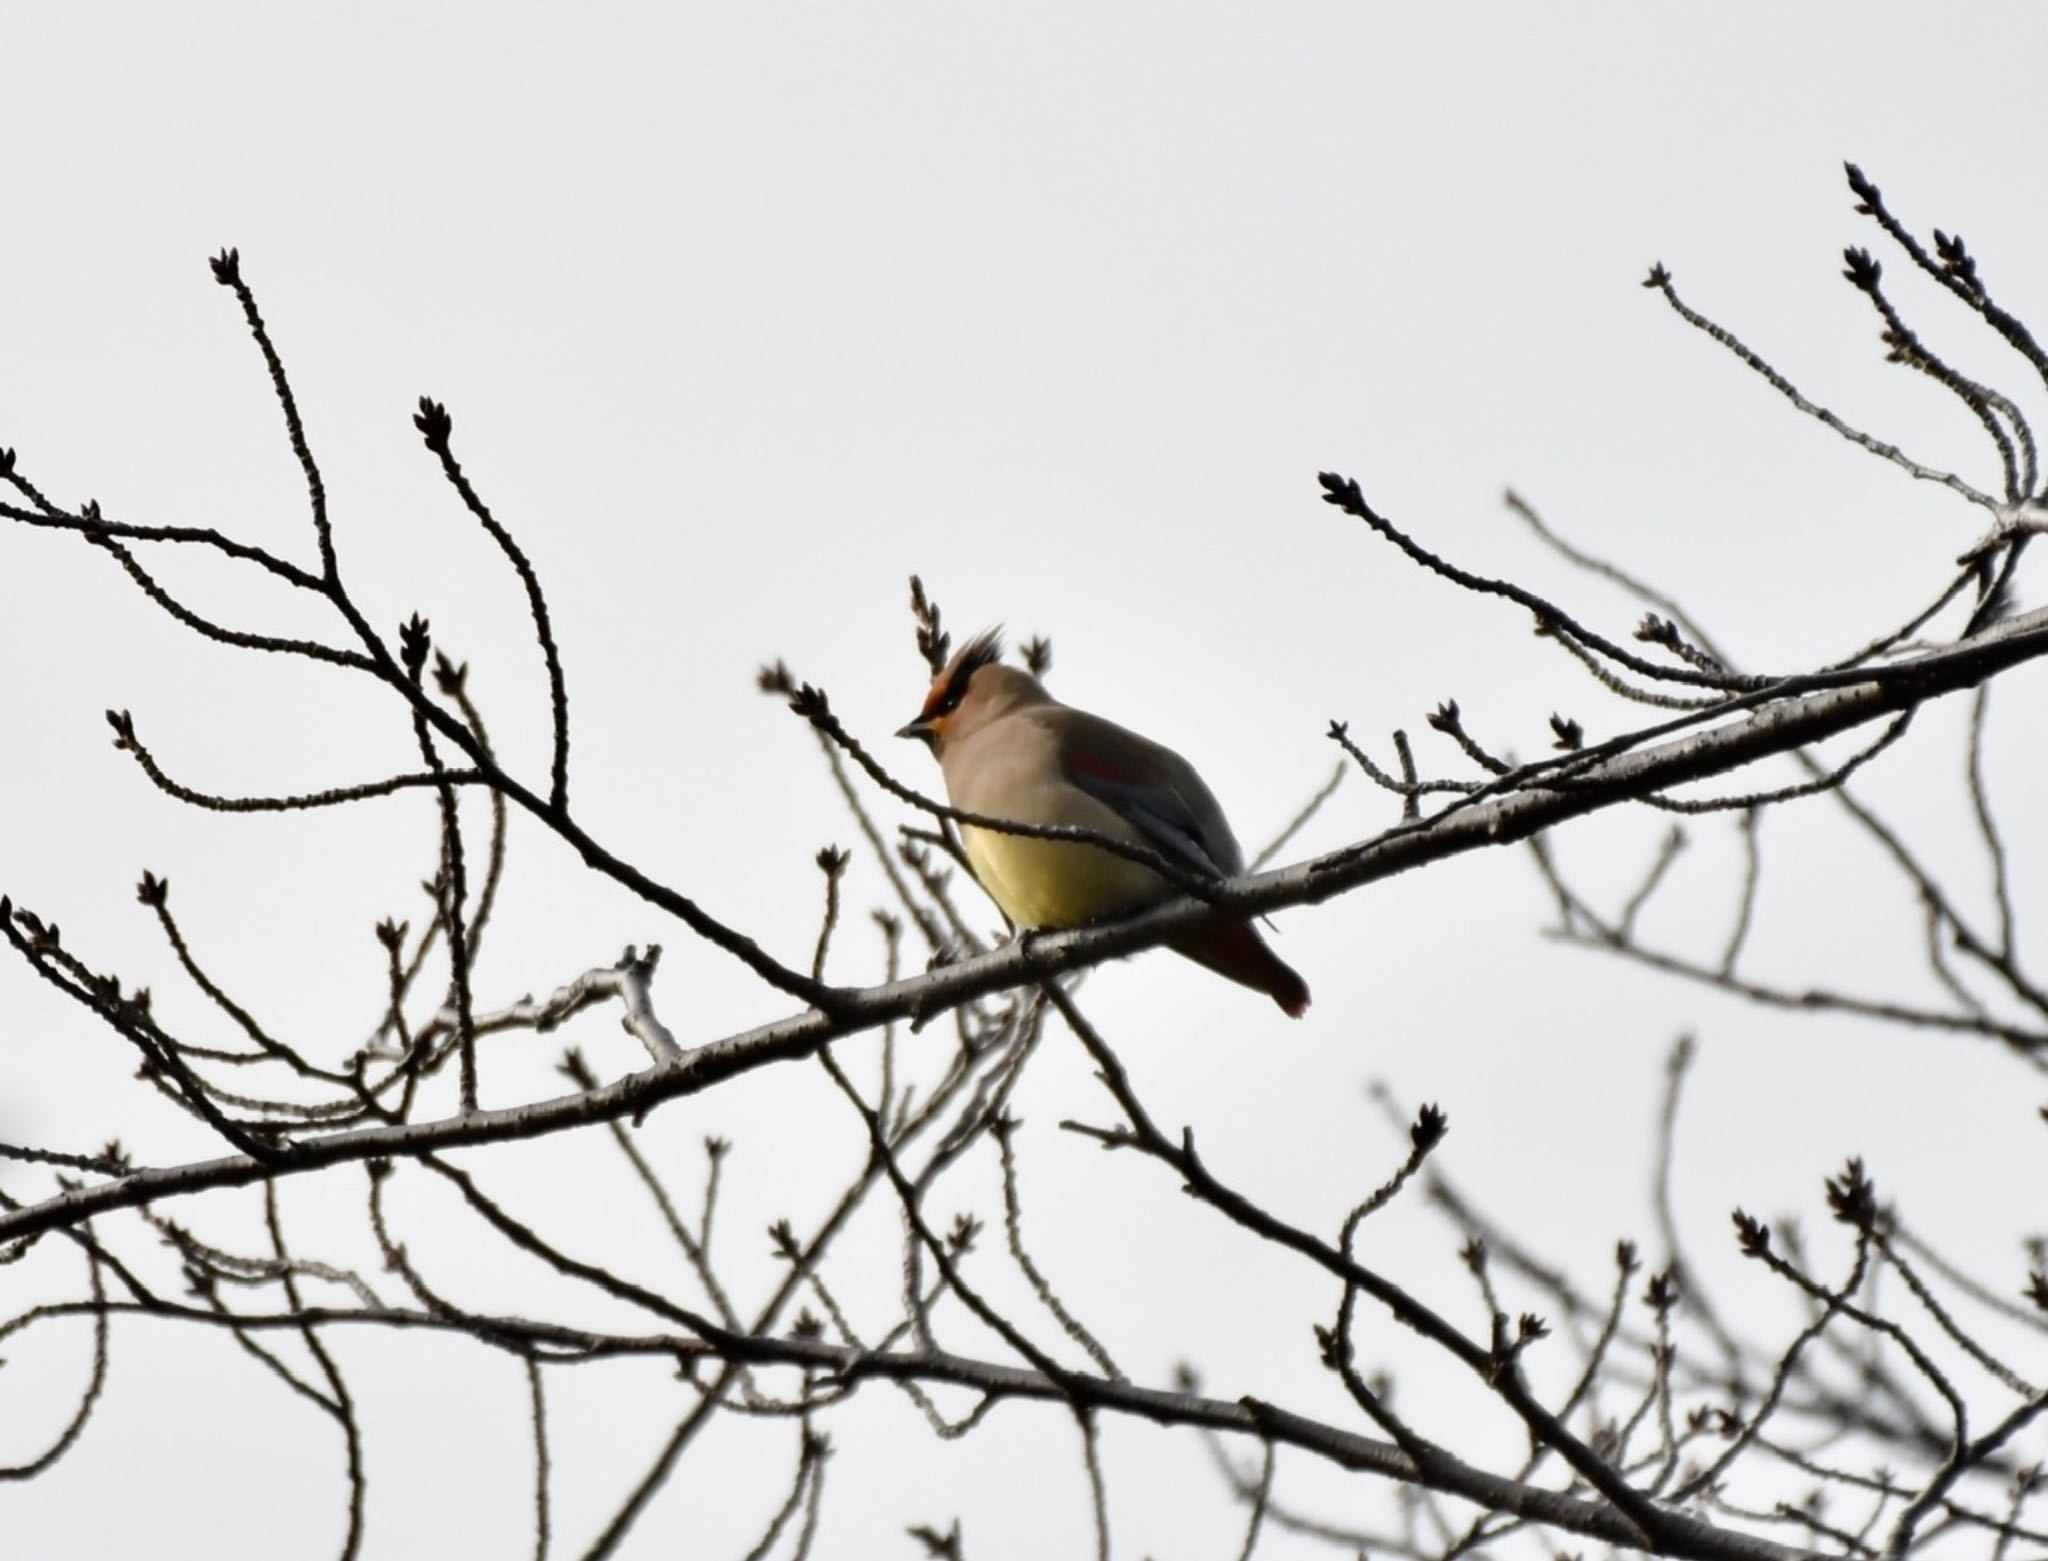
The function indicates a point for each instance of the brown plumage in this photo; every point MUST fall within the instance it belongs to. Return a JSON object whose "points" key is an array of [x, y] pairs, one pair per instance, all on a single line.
{"points": [[1009, 750]]}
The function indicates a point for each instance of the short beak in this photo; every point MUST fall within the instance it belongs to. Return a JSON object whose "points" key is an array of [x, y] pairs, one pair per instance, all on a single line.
{"points": [[920, 729]]}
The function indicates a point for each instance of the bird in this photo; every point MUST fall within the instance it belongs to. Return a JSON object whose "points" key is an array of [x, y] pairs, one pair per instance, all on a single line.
{"points": [[1009, 750]]}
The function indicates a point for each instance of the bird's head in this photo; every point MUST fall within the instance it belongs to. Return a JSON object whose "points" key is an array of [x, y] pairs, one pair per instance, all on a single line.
{"points": [[971, 690]]}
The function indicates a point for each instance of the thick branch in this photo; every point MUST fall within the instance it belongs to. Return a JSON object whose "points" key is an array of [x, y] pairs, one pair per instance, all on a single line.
{"points": [[1778, 727]]}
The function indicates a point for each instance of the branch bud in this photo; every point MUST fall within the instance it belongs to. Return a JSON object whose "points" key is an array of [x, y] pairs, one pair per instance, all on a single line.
{"points": [[1428, 1129], [1851, 1197], [434, 424], [413, 640], [1752, 1234]]}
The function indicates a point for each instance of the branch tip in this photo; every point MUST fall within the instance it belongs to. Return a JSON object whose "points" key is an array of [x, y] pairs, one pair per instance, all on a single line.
{"points": [[434, 424], [1852, 1198], [413, 642], [1430, 1126], [1752, 1235]]}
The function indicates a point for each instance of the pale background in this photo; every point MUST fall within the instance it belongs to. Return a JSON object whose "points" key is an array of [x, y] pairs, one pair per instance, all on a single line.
{"points": [[743, 314]]}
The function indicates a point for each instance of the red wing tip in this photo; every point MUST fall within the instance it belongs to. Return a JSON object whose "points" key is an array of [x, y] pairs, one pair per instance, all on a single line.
{"points": [[1292, 1006], [1090, 764]]}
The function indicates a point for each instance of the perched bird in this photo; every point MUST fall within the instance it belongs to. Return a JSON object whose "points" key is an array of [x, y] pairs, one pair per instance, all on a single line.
{"points": [[1010, 750]]}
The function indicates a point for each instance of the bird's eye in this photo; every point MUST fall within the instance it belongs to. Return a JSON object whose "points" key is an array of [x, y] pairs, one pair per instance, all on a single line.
{"points": [[949, 701]]}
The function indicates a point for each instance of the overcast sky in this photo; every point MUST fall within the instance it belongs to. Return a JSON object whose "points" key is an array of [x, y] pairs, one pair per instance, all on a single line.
{"points": [[744, 313]]}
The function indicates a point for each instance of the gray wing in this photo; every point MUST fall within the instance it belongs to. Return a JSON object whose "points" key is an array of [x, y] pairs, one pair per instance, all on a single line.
{"points": [[1152, 788]]}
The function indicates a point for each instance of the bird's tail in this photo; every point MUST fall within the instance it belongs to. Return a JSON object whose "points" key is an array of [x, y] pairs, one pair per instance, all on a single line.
{"points": [[1235, 949]]}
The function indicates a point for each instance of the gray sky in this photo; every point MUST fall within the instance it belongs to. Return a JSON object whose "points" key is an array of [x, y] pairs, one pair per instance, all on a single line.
{"points": [[743, 314]]}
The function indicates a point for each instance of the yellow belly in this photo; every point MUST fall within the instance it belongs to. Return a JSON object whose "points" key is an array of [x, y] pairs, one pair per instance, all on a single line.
{"points": [[1056, 883]]}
